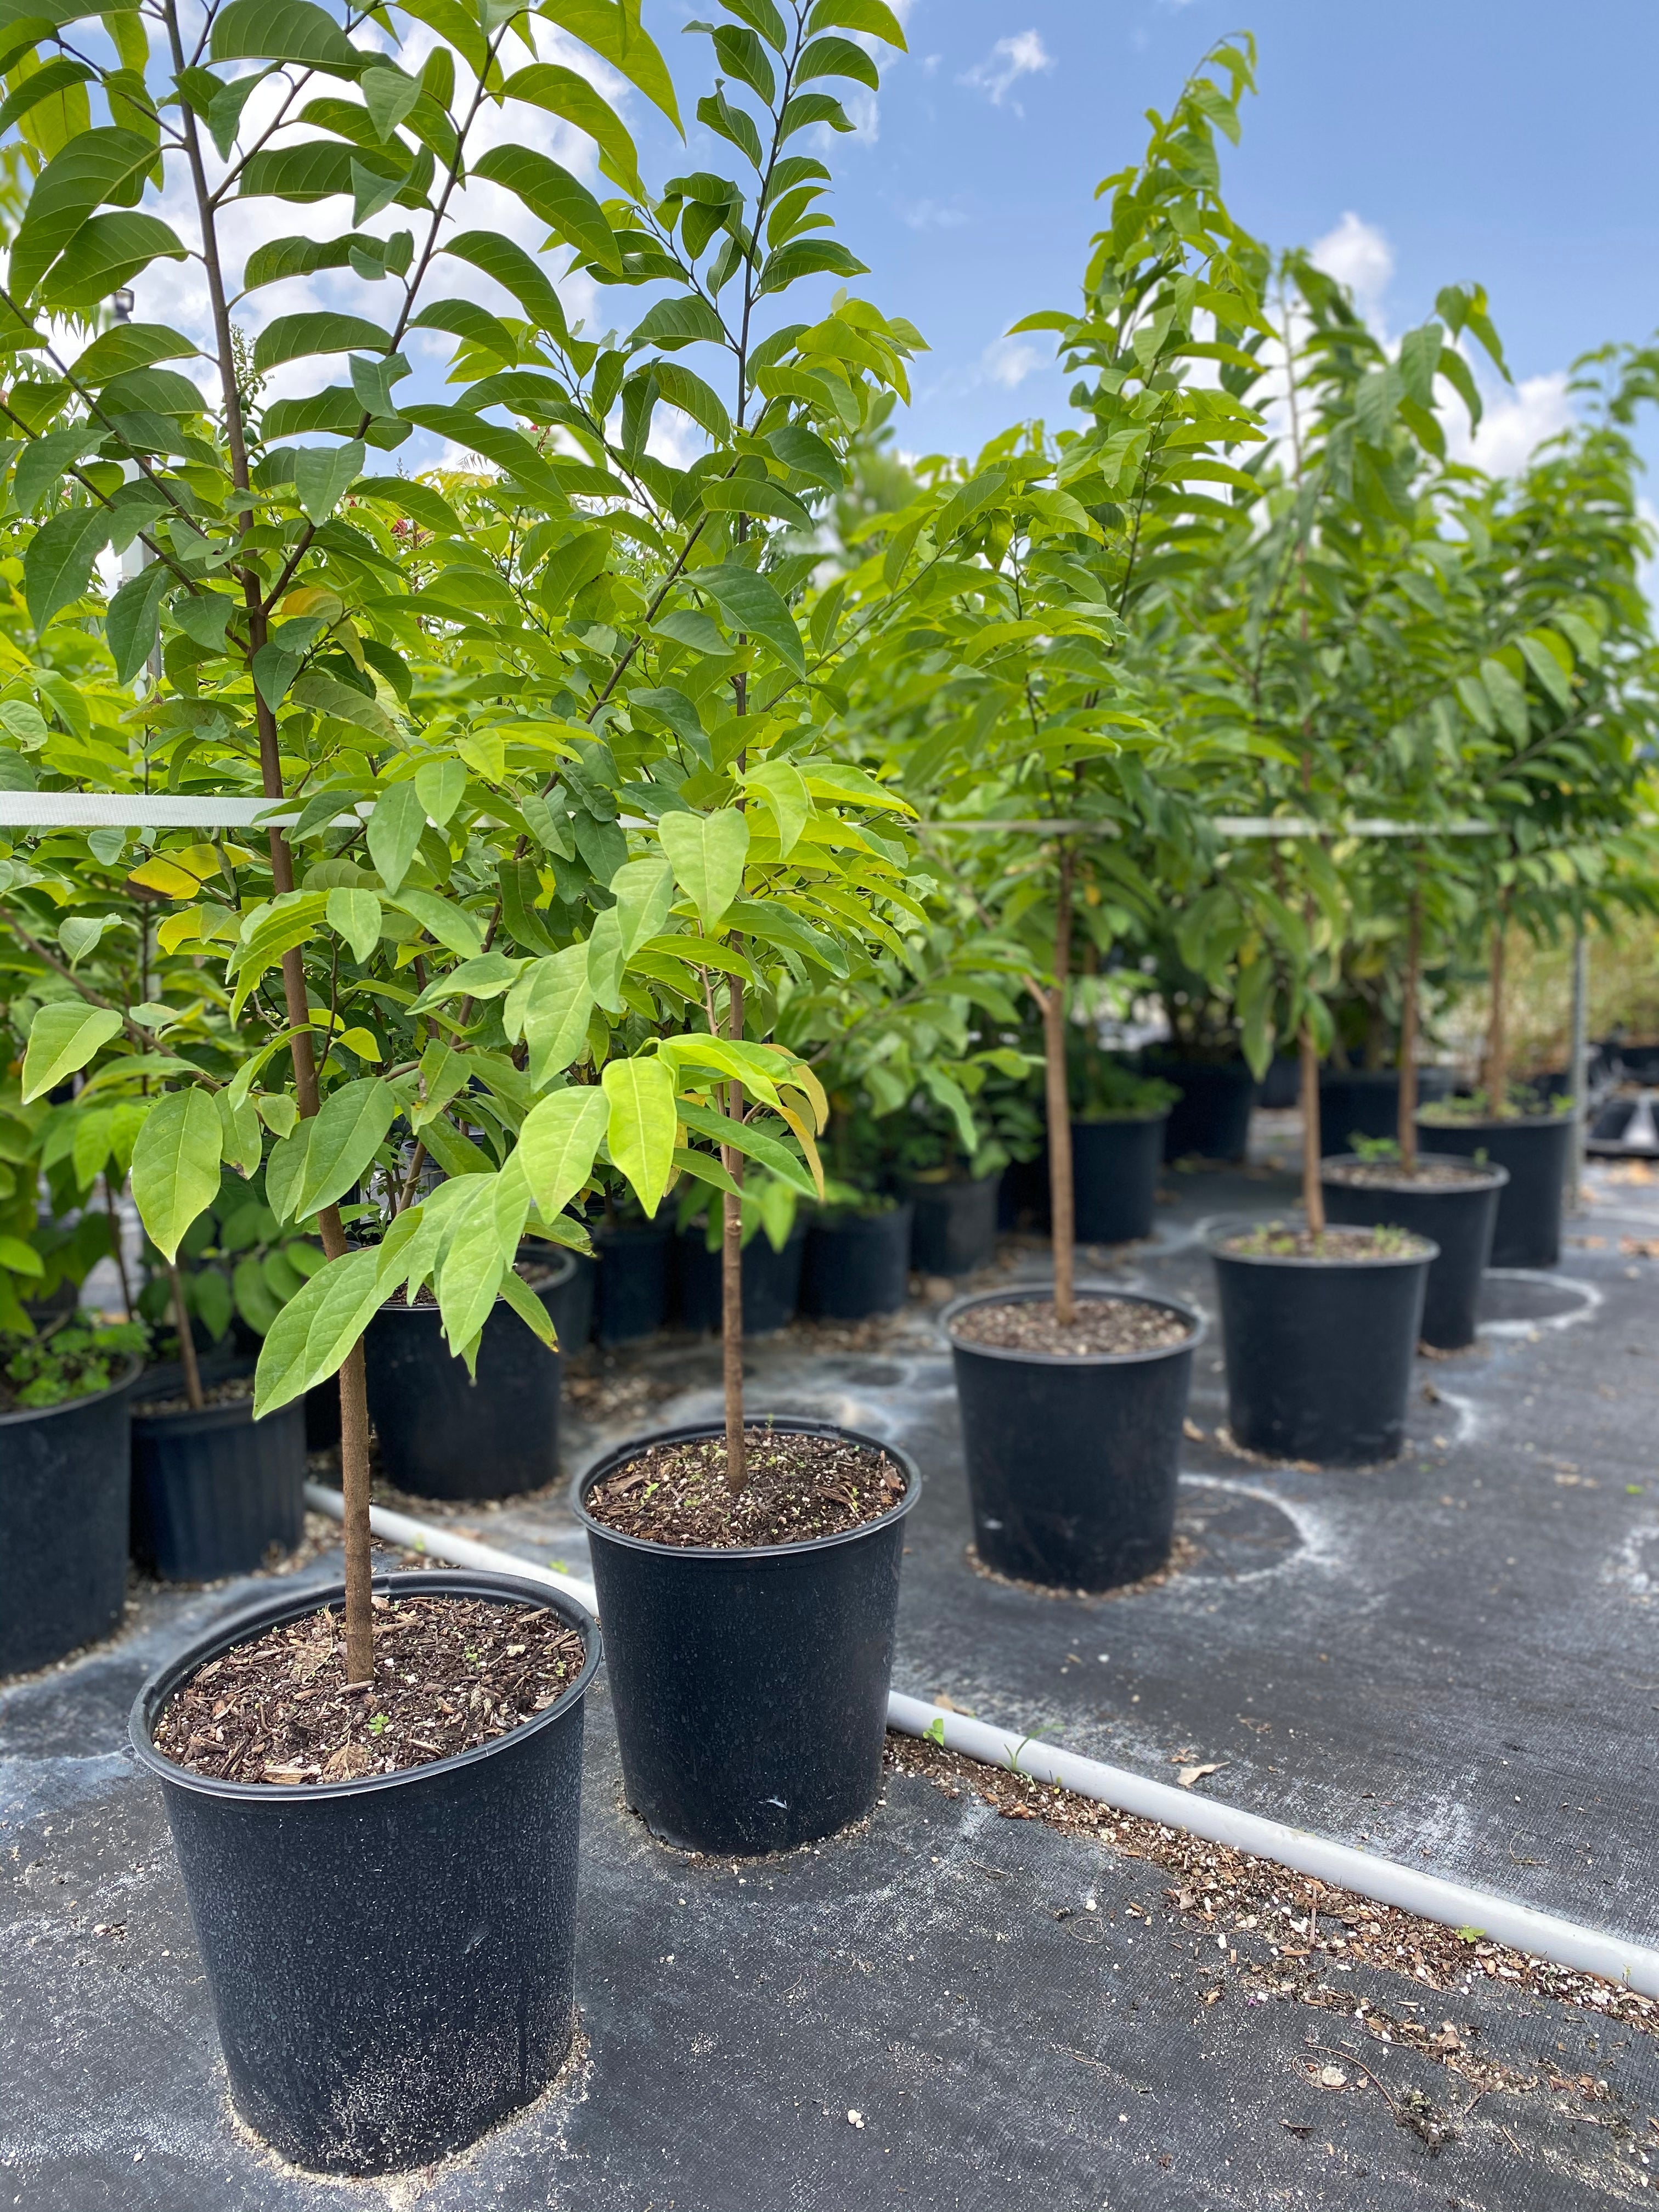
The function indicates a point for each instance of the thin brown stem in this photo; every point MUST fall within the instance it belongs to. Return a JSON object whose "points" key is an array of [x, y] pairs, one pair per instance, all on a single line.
{"points": [[1408, 1021], [116, 1252], [186, 1341], [1313, 1194], [737, 1466], [1061, 1195], [1497, 1073]]}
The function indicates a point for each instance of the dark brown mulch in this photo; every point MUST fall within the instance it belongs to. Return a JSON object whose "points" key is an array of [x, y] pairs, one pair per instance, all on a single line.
{"points": [[798, 1488], [1102, 1325], [450, 1672], [1335, 1244], [1389, 1174], [235, 1390]]}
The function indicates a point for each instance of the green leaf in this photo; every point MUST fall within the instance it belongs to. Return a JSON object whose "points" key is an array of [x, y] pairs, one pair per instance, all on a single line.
{"points": [[107, 251], [750, 603], [529, 1308], [1553, 677], [644, 893], [706, 852], [470, 1274], [874, 16], [562, 92], [837, 57], [394, 833], [324, 474], [175, 1165], [642, 1125], [614, 33], [310, 1337], [555, 198], [745, 1137], [754, 495], [56, 77], [128, 346], [558, 1142], [59, 559], [549, 1007], [356, 916], [513, 268], [441, 786], [285, 1170], [784, 789], [240, 1139], [487, 977], [97, 166], [293, 337], [63, 1037], [1509, 698], [327, 695], [451, 925], [282, 31], [685, 320], [346, 1133], [388, 94]]}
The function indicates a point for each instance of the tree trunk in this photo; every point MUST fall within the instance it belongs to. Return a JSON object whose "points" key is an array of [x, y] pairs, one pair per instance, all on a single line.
{"points": [[1407, 1122], [187, 1341], [1061, 1193], [1498, 1043], [1313, 1195], [737, 1462]]}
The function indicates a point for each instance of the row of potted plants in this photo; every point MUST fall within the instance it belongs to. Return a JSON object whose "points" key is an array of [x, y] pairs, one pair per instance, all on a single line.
{"points": [[599, 808]]}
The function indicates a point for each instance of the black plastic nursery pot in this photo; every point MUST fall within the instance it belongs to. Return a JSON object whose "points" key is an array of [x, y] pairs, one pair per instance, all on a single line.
{"points": [[389, 1960], [1072, 1461], [1319, 1351], [632, 1288], [856, 1264], [749, 1687], [1023, 1194], [443, 1436], [65, 1482], [954, 1231], [1457, 1217], [1536, 1149], [213, 1491], [1211, 1120], [1364, 1102], [1114, 1166], [771, 1280]]}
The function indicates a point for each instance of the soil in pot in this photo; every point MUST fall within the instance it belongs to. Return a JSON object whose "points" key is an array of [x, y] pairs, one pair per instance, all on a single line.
{"points": [[440, 1434], [632, 1290], [1114, 1164], [1072, 1433], [350, 2051], [1211, 1120], [1536, 1149], [750, 1642], [954, 1231], [1447, 1199], [1364, 1102], [857, 1264], [771, 1280], [1319, 1336], [65, 1484], [214, 1490]]}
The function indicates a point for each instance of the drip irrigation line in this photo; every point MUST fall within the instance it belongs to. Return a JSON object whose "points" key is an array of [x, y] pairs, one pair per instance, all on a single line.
{"points": [[1342, 1866]]}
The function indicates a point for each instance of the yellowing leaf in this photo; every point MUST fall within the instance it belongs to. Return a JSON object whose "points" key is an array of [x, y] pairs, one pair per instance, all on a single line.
{"points": [[642, 1125], [166, 876]]}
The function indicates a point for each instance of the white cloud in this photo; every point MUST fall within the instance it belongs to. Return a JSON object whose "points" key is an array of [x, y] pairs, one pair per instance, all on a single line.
{"points": [[1009, 361], [933, 215], [1516, 423], [1010, 59], [1357, 254]]}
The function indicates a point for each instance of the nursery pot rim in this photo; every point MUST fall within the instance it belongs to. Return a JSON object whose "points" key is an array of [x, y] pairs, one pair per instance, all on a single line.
{"points": [[135, 1368], [1216, 1237], [1491, 1121], [741, 1555], [1197, 1328], [273, 1612], [1485, 1176]]}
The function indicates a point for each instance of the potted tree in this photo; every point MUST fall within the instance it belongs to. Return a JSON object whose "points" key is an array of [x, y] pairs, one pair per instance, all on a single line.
{"points": [[1044, 760]]}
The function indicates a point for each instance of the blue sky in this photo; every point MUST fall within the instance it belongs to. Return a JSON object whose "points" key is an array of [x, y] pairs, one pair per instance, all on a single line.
{"points": [[1427, 141]]}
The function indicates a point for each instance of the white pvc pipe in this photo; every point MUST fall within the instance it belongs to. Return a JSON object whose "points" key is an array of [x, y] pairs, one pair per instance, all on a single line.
{"points": [[1343, 1866], [1452, 1903], [411, 1535]]}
